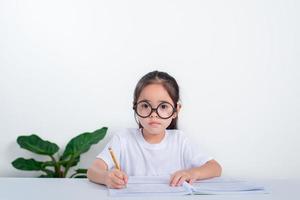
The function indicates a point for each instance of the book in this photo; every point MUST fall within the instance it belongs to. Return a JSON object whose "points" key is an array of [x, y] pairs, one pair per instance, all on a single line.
{"points": [[159, 186]]}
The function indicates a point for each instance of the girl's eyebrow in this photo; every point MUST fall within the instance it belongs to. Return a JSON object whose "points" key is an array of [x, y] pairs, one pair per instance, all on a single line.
{"points": [[144, 100], [148, 101]]}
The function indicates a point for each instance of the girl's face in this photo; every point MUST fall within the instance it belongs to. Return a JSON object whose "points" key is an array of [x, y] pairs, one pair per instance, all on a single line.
{"points": [[155, 94]]}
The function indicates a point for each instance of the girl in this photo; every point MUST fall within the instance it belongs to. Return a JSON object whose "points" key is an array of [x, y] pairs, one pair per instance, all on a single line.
{"points": [[157, 147]]}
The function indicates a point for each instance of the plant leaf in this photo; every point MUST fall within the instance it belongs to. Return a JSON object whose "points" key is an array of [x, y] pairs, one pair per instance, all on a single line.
{"points": [[81, 171], [37, 145], [74, 162], [46, 176], [80, 176], [49, 174], [48, 163], [27, 164], [82, 143]]}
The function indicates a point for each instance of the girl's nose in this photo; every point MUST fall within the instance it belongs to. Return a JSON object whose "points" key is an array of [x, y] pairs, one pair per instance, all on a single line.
{"points": [[153, 114]]}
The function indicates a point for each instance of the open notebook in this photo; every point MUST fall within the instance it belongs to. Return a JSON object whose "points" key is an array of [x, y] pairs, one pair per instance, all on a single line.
{"points": [[145, 185]]}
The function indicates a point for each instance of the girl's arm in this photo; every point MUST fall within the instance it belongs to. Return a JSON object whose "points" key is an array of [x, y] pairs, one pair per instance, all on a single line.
{"points": [[98, 173], [209, 170]]}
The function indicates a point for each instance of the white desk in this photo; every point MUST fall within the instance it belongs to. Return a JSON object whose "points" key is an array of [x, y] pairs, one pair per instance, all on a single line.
{"points": [[82, 189]]}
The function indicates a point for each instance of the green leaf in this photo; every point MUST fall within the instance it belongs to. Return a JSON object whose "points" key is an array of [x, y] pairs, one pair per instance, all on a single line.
{"points": [[48, 163], [74, 162], [81, 171], [27, 164], [80, 176], [37, 145], [46, 176], [82, 143], [50, 174]]}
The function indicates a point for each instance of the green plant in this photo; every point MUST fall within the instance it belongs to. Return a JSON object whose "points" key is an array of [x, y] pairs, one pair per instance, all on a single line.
{"points": [[58, 166]]}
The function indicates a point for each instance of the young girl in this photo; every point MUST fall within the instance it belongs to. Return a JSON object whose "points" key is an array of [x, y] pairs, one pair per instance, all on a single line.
{"points": [[157, 147]]}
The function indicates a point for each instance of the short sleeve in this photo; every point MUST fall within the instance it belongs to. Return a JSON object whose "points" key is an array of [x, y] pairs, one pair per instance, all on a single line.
{"points": [[194, 156], [115, 144]]}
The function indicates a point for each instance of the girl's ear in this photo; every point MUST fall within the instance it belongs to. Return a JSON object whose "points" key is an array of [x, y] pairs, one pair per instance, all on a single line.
{"points": [[177, 110], [178, 107]]}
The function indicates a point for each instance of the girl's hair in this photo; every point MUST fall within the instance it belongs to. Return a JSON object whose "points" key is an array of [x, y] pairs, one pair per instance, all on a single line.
{"points": [[167, 81]]}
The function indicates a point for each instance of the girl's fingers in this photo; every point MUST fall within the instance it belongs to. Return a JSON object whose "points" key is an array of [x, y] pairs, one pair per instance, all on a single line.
{"points": [[191, 181], [118, 173], [115, 179], [181, 180], [125, 178], [118, 180], [175, 179], [171, 178], [121, 174], [116, 186], [179, 177]]}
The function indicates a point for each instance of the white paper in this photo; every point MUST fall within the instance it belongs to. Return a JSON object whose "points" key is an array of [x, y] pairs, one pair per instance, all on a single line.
{"points": [[229, 187], [150, 185]]}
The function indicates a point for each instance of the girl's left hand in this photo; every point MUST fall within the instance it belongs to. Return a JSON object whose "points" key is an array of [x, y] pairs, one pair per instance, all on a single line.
{"points": [[180, 176]]}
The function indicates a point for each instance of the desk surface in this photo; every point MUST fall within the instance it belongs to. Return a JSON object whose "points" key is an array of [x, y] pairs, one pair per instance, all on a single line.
{"points": [[79, 189]]}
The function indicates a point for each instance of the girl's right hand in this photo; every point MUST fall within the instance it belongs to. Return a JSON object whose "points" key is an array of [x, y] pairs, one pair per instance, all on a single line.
{"points": [[116, 179]]}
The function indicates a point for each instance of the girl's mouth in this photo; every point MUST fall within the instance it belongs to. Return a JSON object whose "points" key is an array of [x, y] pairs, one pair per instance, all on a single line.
{"points": [[154, 123]]}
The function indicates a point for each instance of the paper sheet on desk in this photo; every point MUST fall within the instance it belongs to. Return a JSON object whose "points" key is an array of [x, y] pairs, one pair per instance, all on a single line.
{"points": [[149, 186], [227, 187]]}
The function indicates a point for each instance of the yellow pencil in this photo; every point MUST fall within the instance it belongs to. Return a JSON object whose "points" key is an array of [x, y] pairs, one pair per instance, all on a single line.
{"points": [[117, 166]]}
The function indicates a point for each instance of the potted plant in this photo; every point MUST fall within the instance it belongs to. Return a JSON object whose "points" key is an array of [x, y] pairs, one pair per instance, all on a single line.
{"points": [[57, 166]]}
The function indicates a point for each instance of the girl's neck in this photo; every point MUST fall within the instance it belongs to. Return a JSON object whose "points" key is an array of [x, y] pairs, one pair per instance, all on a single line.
{"points": [[153, 138]]}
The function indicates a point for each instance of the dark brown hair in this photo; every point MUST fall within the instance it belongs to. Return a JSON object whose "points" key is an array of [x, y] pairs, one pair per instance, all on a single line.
{"points": [[167, 81]]}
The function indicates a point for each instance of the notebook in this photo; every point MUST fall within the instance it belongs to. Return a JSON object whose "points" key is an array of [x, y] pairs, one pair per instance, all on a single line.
{"points": [[159, 186]]}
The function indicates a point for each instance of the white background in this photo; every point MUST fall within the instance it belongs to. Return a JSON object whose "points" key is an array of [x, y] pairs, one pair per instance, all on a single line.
{"points": [[68, 67]]}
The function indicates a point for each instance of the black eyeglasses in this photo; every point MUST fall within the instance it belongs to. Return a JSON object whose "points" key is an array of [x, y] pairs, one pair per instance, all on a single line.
{"points": [[144, 109]]}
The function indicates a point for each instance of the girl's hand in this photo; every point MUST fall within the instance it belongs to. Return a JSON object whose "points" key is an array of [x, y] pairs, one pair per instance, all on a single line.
{"points": [[180, 176], [116, 179]]}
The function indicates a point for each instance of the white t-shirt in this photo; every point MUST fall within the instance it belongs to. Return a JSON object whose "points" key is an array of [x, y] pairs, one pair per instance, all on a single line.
{"points": [[137, 157]]}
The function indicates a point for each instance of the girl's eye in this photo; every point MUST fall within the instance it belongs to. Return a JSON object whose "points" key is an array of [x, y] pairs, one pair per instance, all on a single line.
{"points": [[164, 106], [144, 105]]}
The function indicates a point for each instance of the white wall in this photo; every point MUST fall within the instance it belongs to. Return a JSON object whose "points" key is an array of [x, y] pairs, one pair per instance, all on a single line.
{"points": [[68, 66]]}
